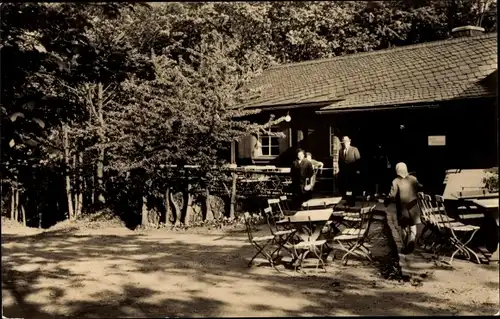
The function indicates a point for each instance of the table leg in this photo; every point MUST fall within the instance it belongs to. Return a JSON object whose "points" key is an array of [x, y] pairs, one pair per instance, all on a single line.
{"points": [[318, 227], [306, 234]]}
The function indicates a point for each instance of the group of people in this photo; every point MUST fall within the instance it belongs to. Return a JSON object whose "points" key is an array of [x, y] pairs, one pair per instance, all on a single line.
{"points": [[304, 168], [403, 189]]}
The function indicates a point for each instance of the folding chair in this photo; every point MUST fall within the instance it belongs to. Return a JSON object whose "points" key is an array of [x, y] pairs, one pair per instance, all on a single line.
{"points": [[433, 224], [438, 220], [284, 205], [259, 243], [275, 205], [427, 219], [354, 238], [303, 248], [281, 236], [465, 232], [352, 219]]}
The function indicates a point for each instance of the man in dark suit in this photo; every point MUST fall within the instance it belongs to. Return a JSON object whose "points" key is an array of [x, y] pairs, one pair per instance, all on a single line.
{"points": [[301, 172], [349, 169]]}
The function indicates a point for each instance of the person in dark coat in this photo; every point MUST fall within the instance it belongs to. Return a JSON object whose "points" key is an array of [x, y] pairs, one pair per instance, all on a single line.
{"points": [[404, 191], [349, 170], [301, 172], [379, 171]]}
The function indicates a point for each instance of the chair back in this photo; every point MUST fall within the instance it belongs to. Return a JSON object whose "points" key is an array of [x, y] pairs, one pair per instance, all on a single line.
{"points": [[248, 225], [271, 220], [433, 211], [365, 201], [274, 204], [443, 215], [424, 208], [284, 203], [366, 219]]}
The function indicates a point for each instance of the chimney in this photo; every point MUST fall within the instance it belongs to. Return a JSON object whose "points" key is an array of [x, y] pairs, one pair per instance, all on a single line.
{"points": [[467, 31]]}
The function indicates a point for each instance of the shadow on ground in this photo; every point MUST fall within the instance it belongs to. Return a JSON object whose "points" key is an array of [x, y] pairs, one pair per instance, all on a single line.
{"points": [[64, 273]]}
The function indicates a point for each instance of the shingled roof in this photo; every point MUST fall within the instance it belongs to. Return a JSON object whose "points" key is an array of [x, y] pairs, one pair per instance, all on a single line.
{"points": [[427, 72]]}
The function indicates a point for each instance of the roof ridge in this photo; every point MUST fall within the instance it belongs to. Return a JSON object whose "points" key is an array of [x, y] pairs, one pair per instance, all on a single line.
{"points": [[382, 51]]}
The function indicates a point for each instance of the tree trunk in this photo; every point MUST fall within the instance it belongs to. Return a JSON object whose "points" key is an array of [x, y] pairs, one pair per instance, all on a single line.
{"points": [[75, 185], [12, 202], [39, 217], [177, 211], [80, 188], [168, 211], [100, 162], [100, 175], [232, 203], [16, 206], [23, 215], [93, 190], [207, 209], [67, 173], [188, 206], [144, 212]]}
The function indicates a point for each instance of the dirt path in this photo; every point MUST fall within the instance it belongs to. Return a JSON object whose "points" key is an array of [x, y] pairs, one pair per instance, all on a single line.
{"points": [[119, 273]]}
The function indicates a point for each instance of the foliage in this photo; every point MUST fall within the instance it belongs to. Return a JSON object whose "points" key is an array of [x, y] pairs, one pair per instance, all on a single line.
{"points": [[491, 181], [160, 84]]}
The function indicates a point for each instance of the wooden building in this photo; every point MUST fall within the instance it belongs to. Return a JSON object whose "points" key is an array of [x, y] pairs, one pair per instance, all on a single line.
{"points": [[430, 105]]}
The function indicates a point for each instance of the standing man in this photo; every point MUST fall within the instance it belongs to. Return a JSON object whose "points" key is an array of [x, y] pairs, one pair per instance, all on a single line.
{"points": [[349, 169], [380, 171], [301, 171]]}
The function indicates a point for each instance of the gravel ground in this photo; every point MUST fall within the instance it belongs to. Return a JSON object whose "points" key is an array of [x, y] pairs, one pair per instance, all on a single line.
{"points": [[115, 272]]}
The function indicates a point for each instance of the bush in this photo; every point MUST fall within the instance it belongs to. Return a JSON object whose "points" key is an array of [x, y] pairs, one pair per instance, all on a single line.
{"points": [[491, 180]]}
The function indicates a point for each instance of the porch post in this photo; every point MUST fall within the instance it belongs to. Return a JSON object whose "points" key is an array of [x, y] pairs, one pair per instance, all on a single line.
{"points": [[233, 152], [294, 133]]}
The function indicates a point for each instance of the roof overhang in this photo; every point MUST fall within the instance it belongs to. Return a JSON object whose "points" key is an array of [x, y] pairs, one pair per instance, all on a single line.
{"points": [[290, 106], [378, 108], [399, 106]]}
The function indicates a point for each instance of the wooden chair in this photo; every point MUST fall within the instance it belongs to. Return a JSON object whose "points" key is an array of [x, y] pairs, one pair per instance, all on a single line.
{"points": [[281, 236], [459, 234], [432, 224], [259, 243], [426, 219], [352, 218], [275, 204], [352, 240], [284, 205]]}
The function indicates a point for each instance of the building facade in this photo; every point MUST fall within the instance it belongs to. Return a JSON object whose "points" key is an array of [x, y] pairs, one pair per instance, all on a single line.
{"points": [[431, 105]]}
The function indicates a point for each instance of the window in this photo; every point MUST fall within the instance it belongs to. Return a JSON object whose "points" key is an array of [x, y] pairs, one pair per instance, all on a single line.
{"points": [[270, 144]]}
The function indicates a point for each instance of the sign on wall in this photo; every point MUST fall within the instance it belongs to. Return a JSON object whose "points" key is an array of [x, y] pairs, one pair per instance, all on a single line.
{"points": [[436, 140]]}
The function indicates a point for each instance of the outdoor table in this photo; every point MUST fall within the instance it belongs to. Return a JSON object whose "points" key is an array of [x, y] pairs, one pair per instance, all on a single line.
{"points": [[461, 180], [322, 202], [486, 202], [317, 218], [489, 206]]}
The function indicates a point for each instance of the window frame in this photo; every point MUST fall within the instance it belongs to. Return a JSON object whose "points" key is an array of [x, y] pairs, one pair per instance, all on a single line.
{"points": [[330, 140], [269, 147]]}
